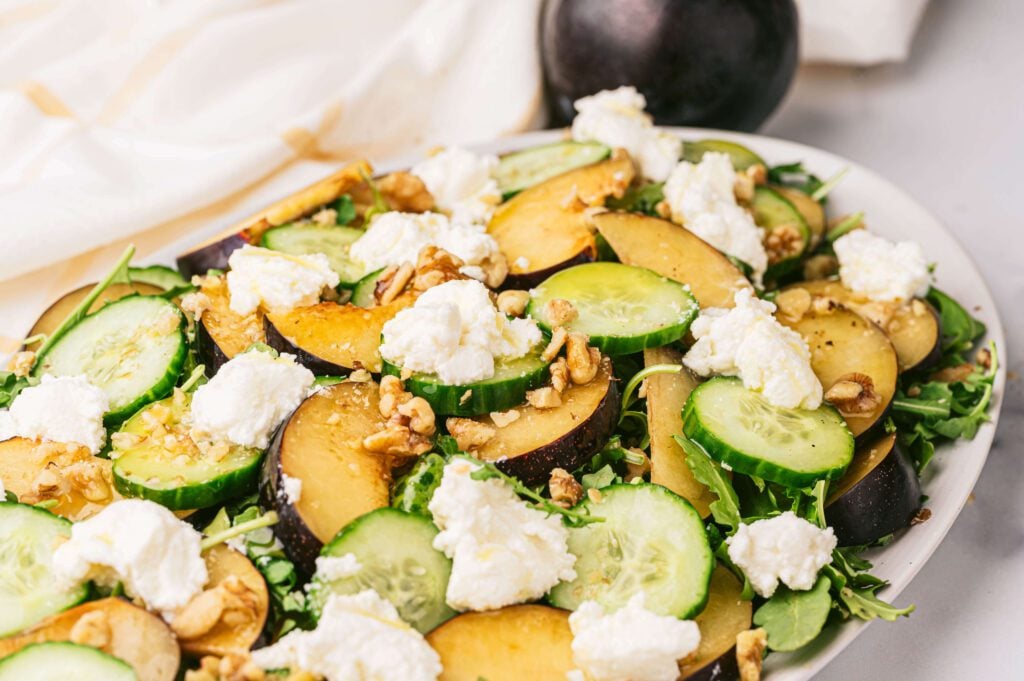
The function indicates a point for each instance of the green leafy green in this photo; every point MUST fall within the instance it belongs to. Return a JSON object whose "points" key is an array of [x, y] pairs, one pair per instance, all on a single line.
{"points": [[726, 509], [11, 384], [640, 199], [854, 591], [344, 208], [796, 176], [488, 471], [602, 477], [413, 491], [846, 225], [792, 619], [959, 328]]}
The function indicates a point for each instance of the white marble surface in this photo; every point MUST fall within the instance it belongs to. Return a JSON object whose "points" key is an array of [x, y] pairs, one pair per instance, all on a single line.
{"points": [[948, 127]]}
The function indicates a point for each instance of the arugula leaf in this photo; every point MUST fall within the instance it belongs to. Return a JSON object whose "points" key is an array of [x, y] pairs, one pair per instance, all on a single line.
{"points": [[642, 199], [10, 496], [726, 509], [602, 477], [447, 445], [959, 328], [12, 384], [854, 591], [796, 176], [792, 619], [344, 208], [488, 471]]}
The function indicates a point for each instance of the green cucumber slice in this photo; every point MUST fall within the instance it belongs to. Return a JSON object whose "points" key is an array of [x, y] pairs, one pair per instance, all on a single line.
{"points": [[651, 540], [397, 559], [181, 477], [504, 390], [60, 660], [306, 239], [362, 292], [522, 169], [740, 428], [133, 349], [741, 157], [160, 276], [623, 309], [28, 588], [775, 213]]}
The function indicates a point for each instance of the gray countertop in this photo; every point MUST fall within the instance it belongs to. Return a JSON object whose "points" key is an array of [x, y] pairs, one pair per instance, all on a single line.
{"points": [[948, 127]]}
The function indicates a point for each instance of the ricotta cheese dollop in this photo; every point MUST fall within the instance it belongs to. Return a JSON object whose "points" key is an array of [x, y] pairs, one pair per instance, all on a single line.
{"points": [[880, 269], [277, 281], [60, 409], [455, 331], [140, 544], [630, 644], [748, 342], [248, 398], [701, 198], [616, 118], [394, 238], [461, 183], [502, 550], [357, 637], [785, 549]]}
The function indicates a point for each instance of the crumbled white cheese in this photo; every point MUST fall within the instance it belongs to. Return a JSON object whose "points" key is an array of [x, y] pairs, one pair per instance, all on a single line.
{"points": [[249, 398], [455, 331], [461, 183], [616, 118], [701, 198], [60, 409], [359, 637], [880, 269], [330, 568], [292, 488], [277, 281], [502, 550], [630, 644], [785, 549], [394, 238], [143, 546], [747, 341]]}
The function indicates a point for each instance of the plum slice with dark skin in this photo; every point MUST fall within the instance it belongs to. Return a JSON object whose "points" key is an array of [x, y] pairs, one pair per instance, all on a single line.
{"points": [[321, 445], [879, 494], [222, 333], [545, 228], [724, 617], [566, 436]]}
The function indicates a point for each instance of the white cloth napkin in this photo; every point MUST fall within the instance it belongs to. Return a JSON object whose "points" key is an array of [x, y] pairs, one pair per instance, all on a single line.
{"points": [[117, 116], [858, 32]]}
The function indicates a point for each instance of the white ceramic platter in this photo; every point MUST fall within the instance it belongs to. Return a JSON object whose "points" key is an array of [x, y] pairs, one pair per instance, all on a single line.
{"points": [[951, 476]]}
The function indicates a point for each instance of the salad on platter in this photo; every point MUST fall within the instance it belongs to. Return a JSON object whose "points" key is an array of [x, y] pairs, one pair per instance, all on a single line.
{"points": [[622, 407]]}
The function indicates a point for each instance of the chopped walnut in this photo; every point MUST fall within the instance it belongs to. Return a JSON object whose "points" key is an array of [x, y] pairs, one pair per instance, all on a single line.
{"points": [[582, 359], [199, 615], [820, 267], [637, 470], [544, 398], [743, 187], [513, 303], [234, 667], [953, 374], [360, 376], [420, 415], [503, 418], [397, 440], [559, 312], [758, 173], [469, 434], [91, 629], [89, 478], [565, 490], [22, 362], [750, 647], [793, 303], [325, 216], [558, 338], [783, 242], [595, 495], [50, 483], [984, 358], [405, 192], [392, 282], [663, 209], [392, 395], [495, 269], [824, 304], [559, 374], [922, 516], [853, 394], [435, 266]]}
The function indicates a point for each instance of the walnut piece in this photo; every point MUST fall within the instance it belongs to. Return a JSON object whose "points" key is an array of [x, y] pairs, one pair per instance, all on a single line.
{"points": [[544, 398], [583, 360], [503, 418], [397, 440], [420, 415], [565, 490], [559, 374], [405, 192], [794, 303], [559, 312], [392, 282], [234, 667], [469, 434], [960, 372], [435, 266], [513, 303], [783, 242], [750, 647], [199, 615], [758, 173], [558, 338], [392, 394], [91, 629], [495, 270], [853, 394], [743, 187]]}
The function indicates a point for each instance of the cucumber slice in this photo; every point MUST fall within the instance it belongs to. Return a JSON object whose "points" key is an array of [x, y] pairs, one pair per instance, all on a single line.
{"points": [[741, 157], [522, 169], [28, 589], [160, 276], [362, 292], [740, 428], [61, 660], [623, 309], [133, 349], [777, 216], [651, 540], [397, 559], [504, 390], [306, 239], [179, 477]]}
